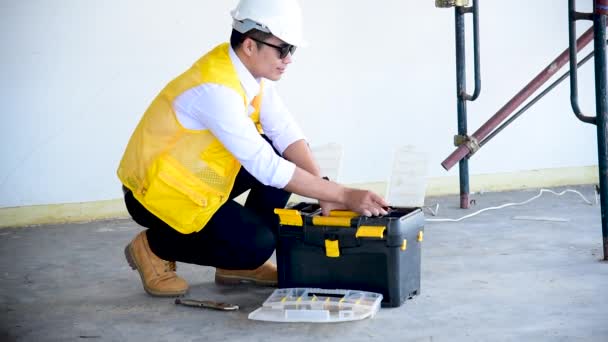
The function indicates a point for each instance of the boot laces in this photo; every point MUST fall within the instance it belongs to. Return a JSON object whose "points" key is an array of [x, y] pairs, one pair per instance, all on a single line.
{"points": [[170, 266]]}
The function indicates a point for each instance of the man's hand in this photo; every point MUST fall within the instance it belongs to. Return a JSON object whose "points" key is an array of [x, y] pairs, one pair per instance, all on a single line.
{"points": [[327, 207], [334, 196], [365, 202]]}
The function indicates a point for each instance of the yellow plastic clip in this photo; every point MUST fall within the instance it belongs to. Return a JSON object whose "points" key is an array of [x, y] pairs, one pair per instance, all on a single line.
{"points": [[420, 236], [289, 217], [371, 232], [332, 248], [404, 245]]}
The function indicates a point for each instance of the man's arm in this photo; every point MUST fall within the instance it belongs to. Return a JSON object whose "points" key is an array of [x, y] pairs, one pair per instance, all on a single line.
{"points": [[220, 110], [306, 179], [362, 201], [299, 153]]}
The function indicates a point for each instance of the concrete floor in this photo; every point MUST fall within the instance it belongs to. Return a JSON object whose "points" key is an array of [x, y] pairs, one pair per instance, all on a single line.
{"points": [[487, 278]]}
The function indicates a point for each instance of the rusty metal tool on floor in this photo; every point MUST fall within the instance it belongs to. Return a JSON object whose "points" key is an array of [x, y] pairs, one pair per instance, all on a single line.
{"points": [[207, 304]]}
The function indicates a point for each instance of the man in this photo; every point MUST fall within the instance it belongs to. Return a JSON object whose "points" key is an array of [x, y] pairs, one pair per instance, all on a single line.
{"points": [[216, 131]]}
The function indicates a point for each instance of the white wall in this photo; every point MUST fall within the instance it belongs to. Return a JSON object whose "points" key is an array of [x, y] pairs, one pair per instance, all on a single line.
{"points": [[77, 75]]}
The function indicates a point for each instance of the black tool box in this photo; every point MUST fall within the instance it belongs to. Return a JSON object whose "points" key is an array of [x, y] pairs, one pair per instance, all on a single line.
{"points": [[348, 251]]}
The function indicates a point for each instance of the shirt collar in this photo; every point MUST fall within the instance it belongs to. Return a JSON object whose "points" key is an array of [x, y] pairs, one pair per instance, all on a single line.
{"points": [[249, 83]]}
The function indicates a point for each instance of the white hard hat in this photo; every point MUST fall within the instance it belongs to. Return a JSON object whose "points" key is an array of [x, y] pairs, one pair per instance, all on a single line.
{"points": [[282, 18]]}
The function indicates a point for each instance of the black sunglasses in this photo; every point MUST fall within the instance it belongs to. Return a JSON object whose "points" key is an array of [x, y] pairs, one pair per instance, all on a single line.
{"points": [[283, 50]]}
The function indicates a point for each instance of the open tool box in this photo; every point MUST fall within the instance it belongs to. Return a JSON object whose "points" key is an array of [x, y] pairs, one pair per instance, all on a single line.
{"points": [[348, 251]]}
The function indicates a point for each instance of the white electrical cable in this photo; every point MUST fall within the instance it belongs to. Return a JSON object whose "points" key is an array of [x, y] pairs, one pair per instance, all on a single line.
{"points": [[434, 212]]}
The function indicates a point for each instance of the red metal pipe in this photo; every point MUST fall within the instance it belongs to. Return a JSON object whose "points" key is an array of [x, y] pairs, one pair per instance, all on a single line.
{"points": [[463, 150]]}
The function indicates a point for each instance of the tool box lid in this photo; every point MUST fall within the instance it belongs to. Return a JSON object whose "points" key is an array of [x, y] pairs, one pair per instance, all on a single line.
{"points": [[350, 227]]}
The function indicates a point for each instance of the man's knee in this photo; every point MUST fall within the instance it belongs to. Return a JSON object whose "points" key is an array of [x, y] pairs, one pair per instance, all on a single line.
{"points": [[260, 250]]}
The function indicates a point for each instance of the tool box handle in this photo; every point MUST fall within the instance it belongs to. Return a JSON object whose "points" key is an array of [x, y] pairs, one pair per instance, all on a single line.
{"points": [[343, 213], [333, 221]]}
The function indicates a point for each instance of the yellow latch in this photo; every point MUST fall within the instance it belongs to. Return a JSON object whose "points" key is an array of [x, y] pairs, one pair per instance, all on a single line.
{"points": [[404, 245], [289, 217], [371, 231], [332, 248], [420, 236]]}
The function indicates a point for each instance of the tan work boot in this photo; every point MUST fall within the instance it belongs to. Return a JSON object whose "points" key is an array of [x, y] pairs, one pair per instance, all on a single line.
{"points": [[265, 275], [157, 275]]}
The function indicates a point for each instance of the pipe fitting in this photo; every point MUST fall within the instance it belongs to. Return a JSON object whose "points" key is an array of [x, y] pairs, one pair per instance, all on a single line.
{"points": [[451, 3], [473, 145]]}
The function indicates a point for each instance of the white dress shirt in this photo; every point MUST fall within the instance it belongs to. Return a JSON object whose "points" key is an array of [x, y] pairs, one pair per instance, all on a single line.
{"points": [[220, 109]]}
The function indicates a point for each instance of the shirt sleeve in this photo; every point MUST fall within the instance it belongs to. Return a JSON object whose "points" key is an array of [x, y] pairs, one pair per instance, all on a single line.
{"points": [[221, 110], [277, 122]]}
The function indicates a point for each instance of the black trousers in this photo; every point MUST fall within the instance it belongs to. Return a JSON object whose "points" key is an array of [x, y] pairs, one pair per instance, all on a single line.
{"points": [[236, 237]]}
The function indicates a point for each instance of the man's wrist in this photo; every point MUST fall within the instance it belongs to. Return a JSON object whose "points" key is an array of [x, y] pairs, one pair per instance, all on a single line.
{"points": [[343, 195]]}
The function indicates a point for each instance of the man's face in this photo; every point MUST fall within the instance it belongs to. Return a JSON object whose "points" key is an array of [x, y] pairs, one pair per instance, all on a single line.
{"points": [[267, 62]]}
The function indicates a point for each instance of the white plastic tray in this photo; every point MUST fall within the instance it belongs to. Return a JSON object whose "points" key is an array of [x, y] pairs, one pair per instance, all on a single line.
{"points": [[317, 306]]}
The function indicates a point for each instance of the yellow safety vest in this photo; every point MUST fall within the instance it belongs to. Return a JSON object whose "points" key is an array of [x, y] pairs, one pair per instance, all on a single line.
{"points": [[180, 175]]}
